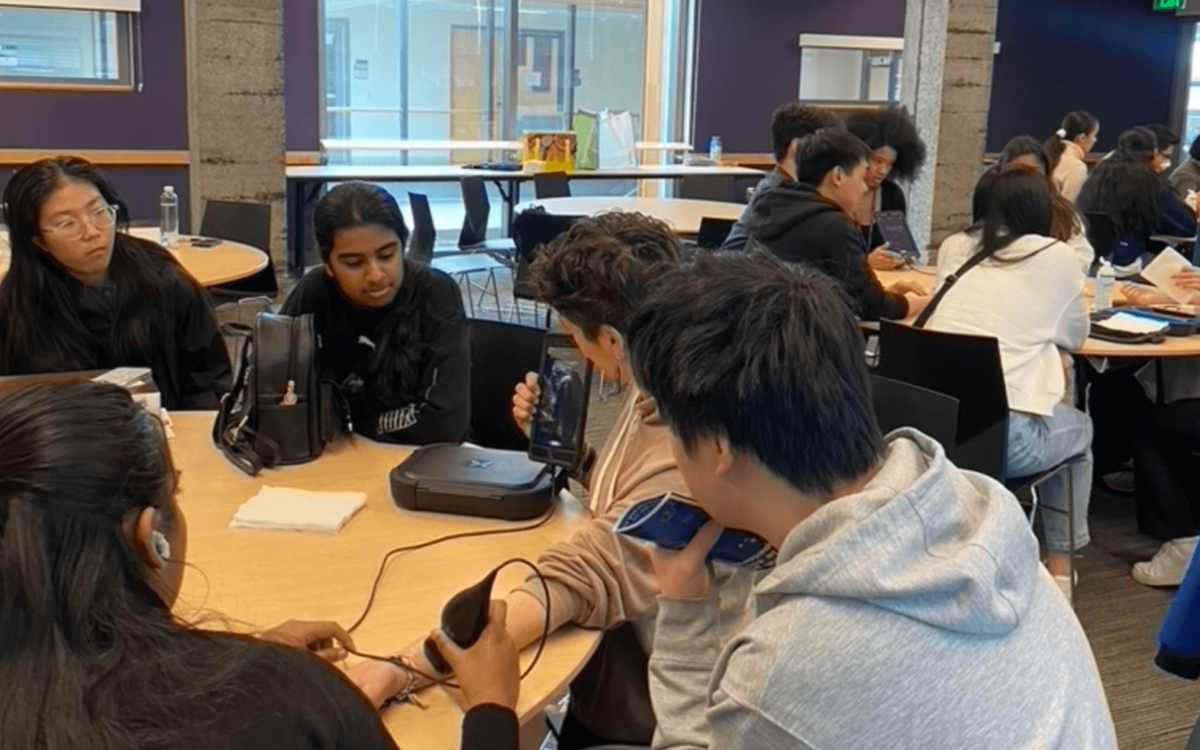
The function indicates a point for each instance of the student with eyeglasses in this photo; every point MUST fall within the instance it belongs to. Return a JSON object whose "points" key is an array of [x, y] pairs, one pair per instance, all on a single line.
{"points": [[81, 294]]}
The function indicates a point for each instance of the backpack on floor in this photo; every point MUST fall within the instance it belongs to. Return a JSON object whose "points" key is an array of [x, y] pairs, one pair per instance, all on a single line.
{"points": [[280, 411]]}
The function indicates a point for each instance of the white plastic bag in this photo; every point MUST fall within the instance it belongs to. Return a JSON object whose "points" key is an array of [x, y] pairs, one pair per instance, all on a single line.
{"points": [[616, 146]]}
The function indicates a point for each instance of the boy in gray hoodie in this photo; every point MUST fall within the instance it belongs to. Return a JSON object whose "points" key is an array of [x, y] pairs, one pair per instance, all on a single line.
{"points": [[908, 608]]}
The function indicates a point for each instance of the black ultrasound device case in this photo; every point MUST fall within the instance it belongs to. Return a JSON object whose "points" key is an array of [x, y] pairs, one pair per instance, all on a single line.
{"points": [[506, 484]]}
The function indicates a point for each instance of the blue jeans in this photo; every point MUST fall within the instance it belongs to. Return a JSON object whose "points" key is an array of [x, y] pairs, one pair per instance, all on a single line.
{"points": [[1036, 443]]}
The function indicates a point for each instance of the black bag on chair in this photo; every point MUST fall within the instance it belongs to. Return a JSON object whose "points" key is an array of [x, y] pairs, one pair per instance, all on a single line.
{"points": [[279, 411]]}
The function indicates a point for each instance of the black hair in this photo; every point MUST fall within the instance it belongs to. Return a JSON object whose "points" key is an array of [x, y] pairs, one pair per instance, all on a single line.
{"points": [[795, 120], [595, 273], [356, 204], [767, 354], [1018, 202], [1194, 151], [393, 365], [91, 656], [826, 150], [1164, 137], [1077, 122], [893, 127], [38, 330], [1124, 186], [1025, 145]]}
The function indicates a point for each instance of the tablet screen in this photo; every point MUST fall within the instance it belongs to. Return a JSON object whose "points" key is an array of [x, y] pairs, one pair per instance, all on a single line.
{"points": [[565, 380], [894, 228]]}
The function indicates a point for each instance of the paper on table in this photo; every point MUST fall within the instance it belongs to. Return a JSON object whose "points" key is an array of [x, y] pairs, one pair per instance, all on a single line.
{"points": [[289, 509], [1127, 323], [1159, 273]]}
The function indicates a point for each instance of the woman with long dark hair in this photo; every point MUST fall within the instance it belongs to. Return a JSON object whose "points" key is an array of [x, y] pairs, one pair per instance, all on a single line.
{"points": [[1028, 293], [897, 151], [1127, 191], [81, 294], [393, 332], [92, 551], [1065, 149]]}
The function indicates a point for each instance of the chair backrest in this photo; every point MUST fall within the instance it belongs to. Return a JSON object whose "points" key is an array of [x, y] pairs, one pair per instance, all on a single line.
{"points": [[501, 354], [965, 367], [900, 404], [249, 224], [551, 185], [475, 201], [708, 188], [1100, 234], [713, 232], [531, 230], [420, 243]]}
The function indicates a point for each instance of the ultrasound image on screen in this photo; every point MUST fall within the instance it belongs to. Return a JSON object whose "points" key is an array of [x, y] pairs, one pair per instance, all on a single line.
{"points": [[558, 422]]}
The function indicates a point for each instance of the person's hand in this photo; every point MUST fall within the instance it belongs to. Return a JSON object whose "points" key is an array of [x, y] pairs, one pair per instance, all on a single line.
{"points": [[378, 680], [883, 259], [1187, 278], [488, 671], [916, 305], [683, 574], [328, 639], [908, 287], [1138, 294], [525, 398], [1193, 201]]}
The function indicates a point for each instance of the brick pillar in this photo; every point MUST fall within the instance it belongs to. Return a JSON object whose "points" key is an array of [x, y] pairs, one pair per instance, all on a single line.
{"points": [[235, 106], [947, 84]]}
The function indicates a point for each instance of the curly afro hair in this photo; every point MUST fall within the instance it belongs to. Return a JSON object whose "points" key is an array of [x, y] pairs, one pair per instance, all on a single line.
{"points": [[894, 127]]}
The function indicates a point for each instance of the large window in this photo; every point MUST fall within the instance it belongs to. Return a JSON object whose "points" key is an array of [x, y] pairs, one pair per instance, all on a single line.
{"points": [[476, 69], [1191, 125], [65, 48]]}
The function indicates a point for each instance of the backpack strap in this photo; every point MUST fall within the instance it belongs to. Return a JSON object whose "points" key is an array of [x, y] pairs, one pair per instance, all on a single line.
{"points": [[230, 432]]}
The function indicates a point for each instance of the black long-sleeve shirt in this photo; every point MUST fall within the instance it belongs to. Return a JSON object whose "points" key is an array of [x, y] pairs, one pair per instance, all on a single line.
{"points": [[798, 225], [436, 407], [187, 355]]}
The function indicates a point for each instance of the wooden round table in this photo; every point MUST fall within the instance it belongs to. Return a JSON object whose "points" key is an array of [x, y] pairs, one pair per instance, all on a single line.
{"points": [[682, 214], [263, 578], [224, 262]]}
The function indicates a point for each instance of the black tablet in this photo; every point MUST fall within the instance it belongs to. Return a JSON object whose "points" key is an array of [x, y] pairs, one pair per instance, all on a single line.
{"points": [[894, 228]]}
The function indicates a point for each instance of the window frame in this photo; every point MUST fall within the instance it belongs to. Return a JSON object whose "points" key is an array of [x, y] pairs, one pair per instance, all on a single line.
{"points": [[128, 44]]}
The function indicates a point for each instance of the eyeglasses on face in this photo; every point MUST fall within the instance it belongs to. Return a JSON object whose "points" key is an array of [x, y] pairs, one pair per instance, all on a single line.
{"points": [[73, 227]]}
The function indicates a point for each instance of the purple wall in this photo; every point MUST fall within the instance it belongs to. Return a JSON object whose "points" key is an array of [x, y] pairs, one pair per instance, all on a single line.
{"points": [[1114, 58], [748, 59], [302, 74], [153, 118]]}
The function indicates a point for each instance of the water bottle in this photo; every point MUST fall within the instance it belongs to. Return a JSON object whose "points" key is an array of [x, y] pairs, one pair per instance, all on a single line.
{"points": [[1102, 290], [168, 218], [714, 149]]}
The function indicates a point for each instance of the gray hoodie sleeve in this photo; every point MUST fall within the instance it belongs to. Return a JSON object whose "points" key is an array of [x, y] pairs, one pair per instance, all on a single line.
{"points": [[700, 700]]}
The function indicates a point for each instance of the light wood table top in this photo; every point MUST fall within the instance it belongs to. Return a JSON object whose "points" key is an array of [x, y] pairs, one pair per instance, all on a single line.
{"points": [[220, 264], [264, 578], [1172, 347], [682, 214]]}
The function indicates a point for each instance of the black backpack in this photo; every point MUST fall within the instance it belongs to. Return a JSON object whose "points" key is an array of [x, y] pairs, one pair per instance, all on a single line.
{"points": [[280, 411]]}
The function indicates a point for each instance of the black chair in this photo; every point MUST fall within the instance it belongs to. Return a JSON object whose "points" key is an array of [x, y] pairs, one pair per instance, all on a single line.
{"points": [[713, 232], [708, 188], [473, 237], [969, 369], [551, 185], [249, 224], [501, 354], [458, 265], [532, 229], [900, 404]]}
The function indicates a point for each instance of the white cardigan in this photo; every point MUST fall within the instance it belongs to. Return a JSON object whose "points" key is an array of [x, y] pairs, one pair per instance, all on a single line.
{"points": [[1070, 173], [1032, 302]]}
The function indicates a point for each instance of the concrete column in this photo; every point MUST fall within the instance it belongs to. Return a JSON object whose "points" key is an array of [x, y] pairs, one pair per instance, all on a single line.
{"points": [[947, 85], [235, 106]]}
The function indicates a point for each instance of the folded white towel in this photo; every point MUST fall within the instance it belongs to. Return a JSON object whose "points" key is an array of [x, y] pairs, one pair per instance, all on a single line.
{"points": [[289, 509]]}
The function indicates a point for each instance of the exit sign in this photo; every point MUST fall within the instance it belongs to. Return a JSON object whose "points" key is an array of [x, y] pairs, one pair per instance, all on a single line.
{"points": [[1169, 4]]}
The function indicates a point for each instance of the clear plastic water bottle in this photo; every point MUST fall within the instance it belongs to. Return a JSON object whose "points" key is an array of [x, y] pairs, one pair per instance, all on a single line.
{"points": [[714, 149], [168, 218], [1102, 290]]}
